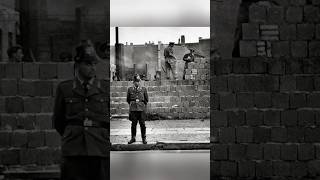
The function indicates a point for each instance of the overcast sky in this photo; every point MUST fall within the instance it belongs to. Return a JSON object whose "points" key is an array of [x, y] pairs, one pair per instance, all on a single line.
{"points": [[140, 35], [159, 13]]}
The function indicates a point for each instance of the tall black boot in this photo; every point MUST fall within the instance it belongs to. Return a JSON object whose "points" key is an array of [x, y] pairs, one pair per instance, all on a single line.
{"points": [[133, 134], [143, 133]]}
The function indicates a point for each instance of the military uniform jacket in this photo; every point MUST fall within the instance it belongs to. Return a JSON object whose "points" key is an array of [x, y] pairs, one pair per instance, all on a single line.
{"points": [[137, 98], [168, 54], [73, 104]]}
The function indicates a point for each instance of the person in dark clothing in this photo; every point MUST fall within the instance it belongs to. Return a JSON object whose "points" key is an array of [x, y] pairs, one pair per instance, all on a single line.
{"points": [[170, 61], [80, 117], [188, 58], [137, 98]]}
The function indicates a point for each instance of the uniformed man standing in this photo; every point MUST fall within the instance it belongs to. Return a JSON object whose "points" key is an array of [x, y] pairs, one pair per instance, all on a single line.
{"points": [[137, 98], [188, 58], [80, 117], [170, 61]]}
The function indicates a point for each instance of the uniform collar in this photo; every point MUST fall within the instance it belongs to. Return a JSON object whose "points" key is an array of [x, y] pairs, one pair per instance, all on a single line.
{"points": [[93, 87]]}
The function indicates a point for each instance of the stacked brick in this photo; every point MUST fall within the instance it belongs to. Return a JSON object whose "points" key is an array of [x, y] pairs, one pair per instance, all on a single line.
{"points": [[182, 99], [288, 29], [27, 90], [198, 70], [265, 118], [265, 105]]}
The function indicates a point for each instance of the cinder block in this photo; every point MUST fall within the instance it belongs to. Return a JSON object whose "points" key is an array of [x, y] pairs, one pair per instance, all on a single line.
{"points": [[245, 100], [52, 139], [258, 65], [276, 66], [289, 118], [5, 139], [246, 168], [28, 156], [293, 66], [312, 135], [257, 13], [254, 118], [43, 121], [276, 15], [313, 100], [295, 134], [271, 151], [317, 31], [281, 168], [2, 105], [248, 48], [272, 118], [288, 31], [223, 66], [298, 2], [31, 105], [14, 105], [19, 139], [65, 70], [220, 152], [48, 71], [317, 149], [287, 83], [279, 134], [314, 168], [244, 135], [26, 88], [306, 118], [219, 83], [305, 31], [35, 139], [262, 100], [280, 100], [298, 100], [8, 87], [227, 101], [294, 14], [30, 71], [254, 151], [250, 31], [299, 48], [311, 13], [2, 71], [10, 156], [236, 118], [220, 118], [228, 169], [306, 152], [289, 152], [299, 169], [46, 104], [13, 70], [43, 88], [227, 135], [280, 49], [314, 48], [305, 83], [264, 169], [241, 66], [261, 134], [26, 122]]}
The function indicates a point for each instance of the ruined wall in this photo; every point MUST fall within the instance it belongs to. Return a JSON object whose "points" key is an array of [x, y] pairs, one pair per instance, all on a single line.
{"points": [[182, 99], [265, 105]]}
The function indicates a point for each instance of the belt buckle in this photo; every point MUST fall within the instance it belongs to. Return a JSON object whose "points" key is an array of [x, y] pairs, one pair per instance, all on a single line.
{"points": [[87, 123]]}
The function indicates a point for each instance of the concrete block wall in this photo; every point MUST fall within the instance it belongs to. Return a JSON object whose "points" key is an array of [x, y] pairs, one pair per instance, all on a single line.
{"points": [[265, 110], [199, 69], [182, 99], [27, 90]]}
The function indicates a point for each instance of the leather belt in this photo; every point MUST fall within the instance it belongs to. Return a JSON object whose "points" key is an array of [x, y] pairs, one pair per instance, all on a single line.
{"points": [[89, 123]]}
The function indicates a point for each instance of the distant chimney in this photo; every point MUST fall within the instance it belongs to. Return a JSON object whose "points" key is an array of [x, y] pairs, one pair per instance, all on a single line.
{"points": [[183, 41], [179, 41], [126, 43], [200, 38]]}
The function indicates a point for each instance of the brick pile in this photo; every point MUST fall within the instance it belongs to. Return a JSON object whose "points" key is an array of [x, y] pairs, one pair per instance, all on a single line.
{"points": [[27, 138], [265, 105], [287, 30], [182, 99], [198, 70]]}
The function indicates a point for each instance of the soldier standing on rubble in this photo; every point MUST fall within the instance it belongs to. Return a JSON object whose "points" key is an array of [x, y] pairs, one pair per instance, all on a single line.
{"points": [[189, 57], [80, 117], [170, 61]]}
